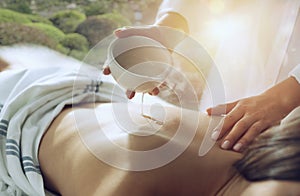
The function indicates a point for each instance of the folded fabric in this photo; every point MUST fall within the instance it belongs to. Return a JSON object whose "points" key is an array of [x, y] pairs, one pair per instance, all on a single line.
{"points": [[29, 101]]}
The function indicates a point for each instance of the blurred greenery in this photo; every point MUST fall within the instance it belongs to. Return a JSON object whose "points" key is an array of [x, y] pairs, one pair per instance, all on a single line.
{"points": [[12, 16], [96, 28], [37, 18], [49, 30], [9, 16], [26, 34], [75, 41], [67, 20], [71, 27], [97, 8], [20, 6]]}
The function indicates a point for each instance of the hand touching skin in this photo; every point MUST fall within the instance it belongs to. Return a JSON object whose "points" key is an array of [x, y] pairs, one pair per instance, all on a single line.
{"points": [[247, 118]]}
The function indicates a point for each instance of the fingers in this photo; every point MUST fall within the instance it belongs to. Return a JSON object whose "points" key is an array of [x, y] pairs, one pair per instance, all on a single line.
{"points": [[131, 31], [225, 126], [167, 37], [125, 32], [106, 71], [155, 91], [240, 128], [221, 109], [130, 94], [151, 32], [241, 134], [249, 136], [244, 121]]}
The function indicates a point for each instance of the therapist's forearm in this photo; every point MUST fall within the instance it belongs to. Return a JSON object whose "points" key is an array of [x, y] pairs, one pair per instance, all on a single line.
{"points": [[173, 20], [287, 93]]}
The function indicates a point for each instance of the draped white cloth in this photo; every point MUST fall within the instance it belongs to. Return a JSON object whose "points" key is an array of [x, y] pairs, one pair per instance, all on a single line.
{"points": [[255, 44], [29, 101]]}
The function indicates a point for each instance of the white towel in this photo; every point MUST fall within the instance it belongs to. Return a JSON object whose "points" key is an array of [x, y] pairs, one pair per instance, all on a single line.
{"points": [[29, 101]]}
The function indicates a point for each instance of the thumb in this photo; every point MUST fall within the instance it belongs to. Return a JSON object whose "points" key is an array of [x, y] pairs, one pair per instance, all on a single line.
{"points": [[167, 36], [221, 109], [134, 31]]}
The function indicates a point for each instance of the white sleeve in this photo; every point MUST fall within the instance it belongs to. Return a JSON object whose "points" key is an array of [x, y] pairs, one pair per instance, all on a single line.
{"points": [[296, 73], [189, 9]]}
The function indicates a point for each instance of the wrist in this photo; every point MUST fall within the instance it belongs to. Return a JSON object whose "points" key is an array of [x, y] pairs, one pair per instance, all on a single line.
{"points": [[173, 20], [287, 93]]}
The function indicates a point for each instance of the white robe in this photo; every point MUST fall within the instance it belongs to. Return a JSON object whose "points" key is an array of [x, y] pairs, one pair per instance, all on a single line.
{"points": [[255, 44]]}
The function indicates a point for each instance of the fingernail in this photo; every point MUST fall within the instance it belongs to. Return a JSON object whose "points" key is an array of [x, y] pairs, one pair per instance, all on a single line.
{"points": [[130, 94], [238, 147], [117, 30], [215, 135], [155, 91], [122, 29], [208, 110], [106, 71], [226, 145]]}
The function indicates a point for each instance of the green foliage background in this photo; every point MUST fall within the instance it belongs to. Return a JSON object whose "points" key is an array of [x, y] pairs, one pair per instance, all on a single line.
{"points": [[71, 27]]}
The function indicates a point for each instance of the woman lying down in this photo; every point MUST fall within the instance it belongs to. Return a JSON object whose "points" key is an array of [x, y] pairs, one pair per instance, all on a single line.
{"points": [[50, 122]]}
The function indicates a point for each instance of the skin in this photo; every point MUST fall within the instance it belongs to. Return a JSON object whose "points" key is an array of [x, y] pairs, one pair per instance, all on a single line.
{"points": [[171, 20], [69, 168], [272, 188], [246, 118], [3, 64]]}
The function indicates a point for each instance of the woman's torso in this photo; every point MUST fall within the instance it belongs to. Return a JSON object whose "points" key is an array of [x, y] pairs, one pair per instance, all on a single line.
{"points": [[79, 168]]}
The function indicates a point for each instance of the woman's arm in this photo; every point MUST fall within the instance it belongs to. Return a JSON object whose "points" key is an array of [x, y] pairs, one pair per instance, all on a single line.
{"points": [[247, 118]]}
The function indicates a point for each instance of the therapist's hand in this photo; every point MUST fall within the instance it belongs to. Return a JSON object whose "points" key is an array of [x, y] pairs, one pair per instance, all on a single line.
{"points": [[166, 36], [147, 31], [247, 118], [169, 29], [130, 94]]}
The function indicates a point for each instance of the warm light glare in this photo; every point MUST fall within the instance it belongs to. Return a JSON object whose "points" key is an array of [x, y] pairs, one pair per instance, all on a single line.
{"points": [[216, 6], [224, 28]]}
